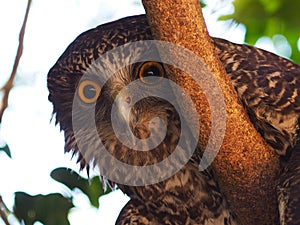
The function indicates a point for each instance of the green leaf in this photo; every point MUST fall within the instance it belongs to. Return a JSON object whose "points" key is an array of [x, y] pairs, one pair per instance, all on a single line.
{"points": [[93, 187], [202, 3], [6, 149], [268, 18], [51, 209]]}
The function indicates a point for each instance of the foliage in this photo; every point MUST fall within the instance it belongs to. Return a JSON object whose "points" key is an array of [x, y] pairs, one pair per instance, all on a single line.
{"points": [[202, 3], [92, 188], [5, 149], [51, 209], [269, 18]]}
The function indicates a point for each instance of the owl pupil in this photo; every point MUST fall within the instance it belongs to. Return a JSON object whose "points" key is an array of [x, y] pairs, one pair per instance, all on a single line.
{"points": [[89, 91], [151, 71]]}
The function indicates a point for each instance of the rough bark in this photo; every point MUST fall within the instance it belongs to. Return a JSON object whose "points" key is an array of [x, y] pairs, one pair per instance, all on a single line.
{"points": [[245, 166]]}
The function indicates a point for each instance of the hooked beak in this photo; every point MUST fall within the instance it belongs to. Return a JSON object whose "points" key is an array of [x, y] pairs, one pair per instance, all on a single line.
{"points": [[123, 105]]}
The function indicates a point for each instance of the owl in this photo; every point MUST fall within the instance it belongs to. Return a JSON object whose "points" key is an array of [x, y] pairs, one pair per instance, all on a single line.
{"points": [[98, 88]]}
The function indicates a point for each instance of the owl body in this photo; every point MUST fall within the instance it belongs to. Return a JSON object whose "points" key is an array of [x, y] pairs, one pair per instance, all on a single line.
{"points": [[266, 85]]}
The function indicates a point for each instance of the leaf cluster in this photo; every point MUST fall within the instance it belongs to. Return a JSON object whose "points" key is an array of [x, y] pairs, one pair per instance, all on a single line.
{"points": [[53, 208], [269, 18]]}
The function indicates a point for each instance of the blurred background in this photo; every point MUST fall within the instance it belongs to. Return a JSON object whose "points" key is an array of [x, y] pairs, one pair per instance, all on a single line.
{"points": [[31, 147]]}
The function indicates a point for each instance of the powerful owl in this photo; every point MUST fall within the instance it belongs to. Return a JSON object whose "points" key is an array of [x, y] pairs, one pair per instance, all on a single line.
{"points": [[88, 96]]}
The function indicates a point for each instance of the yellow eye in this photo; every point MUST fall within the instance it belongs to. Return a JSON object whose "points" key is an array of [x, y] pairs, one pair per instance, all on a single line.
{"points": [[88, 91], [151, 72]]}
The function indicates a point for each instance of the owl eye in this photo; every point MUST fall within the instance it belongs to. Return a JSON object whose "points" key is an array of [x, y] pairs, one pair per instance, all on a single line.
{"points": [[149, 70], [88, 91]]}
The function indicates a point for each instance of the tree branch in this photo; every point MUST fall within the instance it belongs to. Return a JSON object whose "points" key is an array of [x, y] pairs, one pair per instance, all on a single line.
{"points": [[9, 84], [3, 215]]}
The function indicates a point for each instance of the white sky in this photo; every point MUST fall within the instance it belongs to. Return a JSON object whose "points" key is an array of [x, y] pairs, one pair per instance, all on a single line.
{"points": [[37, 145]]}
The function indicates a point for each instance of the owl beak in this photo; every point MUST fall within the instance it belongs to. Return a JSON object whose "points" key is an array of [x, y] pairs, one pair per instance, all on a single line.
{"points": [[124, 106]]}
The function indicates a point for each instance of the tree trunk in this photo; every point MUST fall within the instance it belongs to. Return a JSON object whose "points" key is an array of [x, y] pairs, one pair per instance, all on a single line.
{"points": [[246, 167]]}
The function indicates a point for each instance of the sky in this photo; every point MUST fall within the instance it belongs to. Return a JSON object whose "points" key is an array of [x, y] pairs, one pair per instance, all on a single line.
{"points": [[36, 144]]}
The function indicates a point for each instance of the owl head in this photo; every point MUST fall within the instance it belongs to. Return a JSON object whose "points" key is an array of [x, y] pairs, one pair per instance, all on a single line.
{"points": [[106, 93]]}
